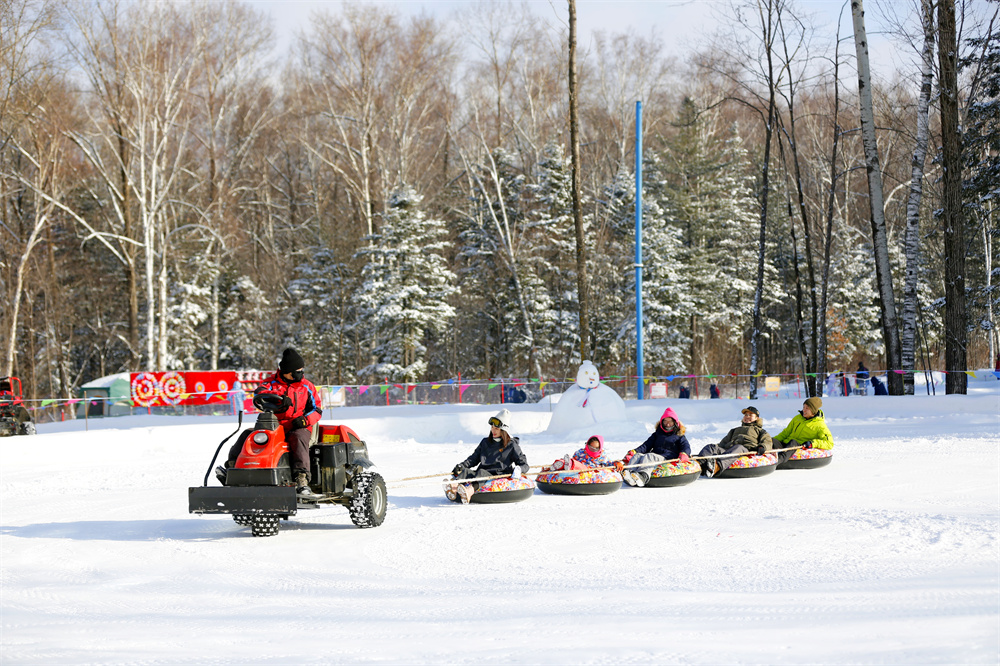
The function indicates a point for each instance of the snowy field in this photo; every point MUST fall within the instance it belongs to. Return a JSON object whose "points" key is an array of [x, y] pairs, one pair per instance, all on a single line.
{"points": [[887, 556]]}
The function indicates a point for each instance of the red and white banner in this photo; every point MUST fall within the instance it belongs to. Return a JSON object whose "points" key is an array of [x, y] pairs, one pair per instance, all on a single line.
{"points": [[163, 389]]}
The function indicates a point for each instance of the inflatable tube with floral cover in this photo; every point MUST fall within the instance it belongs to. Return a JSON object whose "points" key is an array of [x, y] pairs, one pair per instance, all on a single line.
{"points": [[753, 465], [592, 482], [674, 473], [502, 491], [808, 459]]}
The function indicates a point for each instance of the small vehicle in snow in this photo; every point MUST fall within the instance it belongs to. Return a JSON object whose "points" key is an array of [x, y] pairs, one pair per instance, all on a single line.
{"points": [[258, 489], [14, 418]]}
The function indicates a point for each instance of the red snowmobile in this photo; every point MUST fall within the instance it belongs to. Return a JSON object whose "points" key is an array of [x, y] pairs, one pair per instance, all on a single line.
{"points": [[258, 487], [14, 417]]}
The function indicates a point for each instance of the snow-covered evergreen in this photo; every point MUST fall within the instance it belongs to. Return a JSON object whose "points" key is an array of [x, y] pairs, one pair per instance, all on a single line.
{"points": [[405, 286]]}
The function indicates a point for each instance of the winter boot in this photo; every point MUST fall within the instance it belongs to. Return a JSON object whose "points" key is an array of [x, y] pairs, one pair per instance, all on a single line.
{"points": [[451, 492], [640, 478], [220, 474], [465, 492], [302, 484]]}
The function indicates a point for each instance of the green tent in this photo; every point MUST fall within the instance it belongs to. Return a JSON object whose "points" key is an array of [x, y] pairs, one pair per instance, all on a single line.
{"points": [[107, 396]]}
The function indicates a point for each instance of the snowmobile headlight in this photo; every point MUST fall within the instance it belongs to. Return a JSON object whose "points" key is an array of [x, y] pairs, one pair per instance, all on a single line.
{"points": [[260, 438]]}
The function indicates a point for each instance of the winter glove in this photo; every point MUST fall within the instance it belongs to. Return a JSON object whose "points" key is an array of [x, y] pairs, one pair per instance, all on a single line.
{"points": [[683, 457], [628, 456], [807, 445], [761, 450], [516, 472], [299, 423], [459, 468], [619, 465]]}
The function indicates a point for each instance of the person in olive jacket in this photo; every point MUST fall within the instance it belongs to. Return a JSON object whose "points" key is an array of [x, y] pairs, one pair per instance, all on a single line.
{"points": [[748, 437], [666, 443], [807, 429], [498, 453]]}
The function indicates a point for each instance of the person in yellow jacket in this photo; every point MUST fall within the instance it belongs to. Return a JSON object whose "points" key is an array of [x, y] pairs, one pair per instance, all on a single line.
{"points": [[806, 429]]}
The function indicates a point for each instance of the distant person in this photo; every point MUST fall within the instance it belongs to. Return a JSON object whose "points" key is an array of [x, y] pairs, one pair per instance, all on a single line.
{"points": [[845, 384], [806, 429], [878, 387], [746, 438], [498, 453], [713, 391], [666, 443], [684, 392], [861, 377], [237, 397]]}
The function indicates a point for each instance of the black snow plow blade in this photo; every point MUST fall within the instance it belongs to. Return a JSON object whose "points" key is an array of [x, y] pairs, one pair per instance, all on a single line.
{"points": [[251, 499]]}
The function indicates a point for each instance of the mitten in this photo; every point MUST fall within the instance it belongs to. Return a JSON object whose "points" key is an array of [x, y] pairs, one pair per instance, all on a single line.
{"points": [[683, 457], [628, 456], [458, 469], [761, 450], [807, 445], [619, 465]]}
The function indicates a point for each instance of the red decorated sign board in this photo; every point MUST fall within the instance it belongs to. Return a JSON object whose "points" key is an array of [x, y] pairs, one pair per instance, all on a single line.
{"points": [[167, 389]]}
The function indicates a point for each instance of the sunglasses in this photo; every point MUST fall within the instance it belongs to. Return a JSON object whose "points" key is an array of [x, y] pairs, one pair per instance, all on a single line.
{"points": [[495, 422]]}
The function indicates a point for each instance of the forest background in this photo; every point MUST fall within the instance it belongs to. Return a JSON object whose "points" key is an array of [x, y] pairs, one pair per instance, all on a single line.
{"points": [[391, 194]]}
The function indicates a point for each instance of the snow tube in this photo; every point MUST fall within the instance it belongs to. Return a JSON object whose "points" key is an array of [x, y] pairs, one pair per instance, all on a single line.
{"points": [[674, 473], [596, 482], [502, 491], [749, 466], [808, 459]]}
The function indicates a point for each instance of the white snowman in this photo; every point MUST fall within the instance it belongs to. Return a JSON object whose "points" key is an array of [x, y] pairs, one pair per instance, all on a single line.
{"points": [[586, 402]]}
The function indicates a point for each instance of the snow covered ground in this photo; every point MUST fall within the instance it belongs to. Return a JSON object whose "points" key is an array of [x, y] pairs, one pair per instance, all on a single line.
{"points": [[888, 555]]}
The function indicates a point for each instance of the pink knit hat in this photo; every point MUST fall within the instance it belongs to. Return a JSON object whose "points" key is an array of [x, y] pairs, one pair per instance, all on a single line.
{"points": [[600, 447], [669, 413]]}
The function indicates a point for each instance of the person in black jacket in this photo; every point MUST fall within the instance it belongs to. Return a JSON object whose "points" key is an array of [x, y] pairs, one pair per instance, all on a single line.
{"points": [[666, 443], [497, 454]]}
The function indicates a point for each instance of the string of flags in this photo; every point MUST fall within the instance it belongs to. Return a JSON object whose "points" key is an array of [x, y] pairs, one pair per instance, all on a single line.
{"points": [[489, 384]]}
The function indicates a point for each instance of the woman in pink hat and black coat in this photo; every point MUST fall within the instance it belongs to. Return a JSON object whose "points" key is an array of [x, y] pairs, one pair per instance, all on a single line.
{"points": [[666, 443]]}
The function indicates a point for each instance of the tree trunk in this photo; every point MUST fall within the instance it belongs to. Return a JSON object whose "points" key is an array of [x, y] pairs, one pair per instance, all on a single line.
{"points": [[876, 204], [952, 222], [581, 248], [820, 368], [758, 295], [910, 301]]}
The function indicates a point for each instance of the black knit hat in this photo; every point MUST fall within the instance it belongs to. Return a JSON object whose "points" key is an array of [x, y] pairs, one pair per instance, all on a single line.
{"points": [[291, 361]]}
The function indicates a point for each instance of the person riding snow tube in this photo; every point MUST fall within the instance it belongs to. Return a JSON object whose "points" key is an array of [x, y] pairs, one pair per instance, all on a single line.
{"points": [[581, 473], [735, 449], [667, 442], [498, 454], [807, 429]]}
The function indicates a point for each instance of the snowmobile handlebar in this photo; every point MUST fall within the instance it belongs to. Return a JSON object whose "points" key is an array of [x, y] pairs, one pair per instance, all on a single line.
{"points": [[271, 403]]}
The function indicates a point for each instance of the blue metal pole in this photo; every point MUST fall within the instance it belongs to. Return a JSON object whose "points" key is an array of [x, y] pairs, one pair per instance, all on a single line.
{"points": [[638, 248]]}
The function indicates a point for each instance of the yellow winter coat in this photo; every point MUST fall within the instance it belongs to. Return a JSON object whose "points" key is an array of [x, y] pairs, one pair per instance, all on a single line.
{"points": [[804, 430]]}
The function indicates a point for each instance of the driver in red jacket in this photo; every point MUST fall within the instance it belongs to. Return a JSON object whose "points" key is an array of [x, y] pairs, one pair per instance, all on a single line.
{"points": [[303, 411]]}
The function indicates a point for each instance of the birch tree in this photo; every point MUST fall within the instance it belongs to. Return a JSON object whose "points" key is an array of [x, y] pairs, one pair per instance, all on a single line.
{"points": [[883, 268]]}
